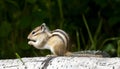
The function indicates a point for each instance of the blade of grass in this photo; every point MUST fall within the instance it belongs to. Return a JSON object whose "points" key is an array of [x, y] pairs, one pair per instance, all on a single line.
{"points": [[98, 30], [89, 33], [17, 55], [109, 39], [118, 49], [49, 10], [78, 41], [82, 37], [34, 53], [61, 13]]}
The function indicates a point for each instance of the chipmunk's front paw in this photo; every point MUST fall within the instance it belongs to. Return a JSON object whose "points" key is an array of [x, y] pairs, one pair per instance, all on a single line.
{"points": [[30, 42]]}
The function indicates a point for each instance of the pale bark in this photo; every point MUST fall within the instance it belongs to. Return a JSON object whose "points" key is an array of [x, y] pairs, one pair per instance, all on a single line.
{"points": [[61, 63]]}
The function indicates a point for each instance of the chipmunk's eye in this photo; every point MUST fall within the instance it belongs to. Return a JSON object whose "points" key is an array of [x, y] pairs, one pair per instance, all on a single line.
{"points": [[33, 32]]}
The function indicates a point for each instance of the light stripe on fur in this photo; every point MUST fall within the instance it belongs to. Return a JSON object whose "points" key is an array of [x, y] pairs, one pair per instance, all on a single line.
{"points": [[63, 35]]}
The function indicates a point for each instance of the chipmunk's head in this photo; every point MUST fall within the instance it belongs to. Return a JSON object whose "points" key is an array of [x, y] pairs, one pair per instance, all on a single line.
{"points": [[38, 36]]}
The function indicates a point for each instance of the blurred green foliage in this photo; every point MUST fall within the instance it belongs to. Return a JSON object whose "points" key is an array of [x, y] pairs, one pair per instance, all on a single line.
{"points": [[91, 24]]}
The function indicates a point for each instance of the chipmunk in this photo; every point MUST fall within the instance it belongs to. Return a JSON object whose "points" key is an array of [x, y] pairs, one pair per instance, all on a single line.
{"points": [[56, 41]]}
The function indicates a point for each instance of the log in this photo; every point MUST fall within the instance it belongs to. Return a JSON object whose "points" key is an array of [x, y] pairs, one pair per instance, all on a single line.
{"points": [[61, 63]]}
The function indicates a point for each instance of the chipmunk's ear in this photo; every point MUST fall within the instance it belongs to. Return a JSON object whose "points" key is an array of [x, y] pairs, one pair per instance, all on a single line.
{"points": [[43, 27]]}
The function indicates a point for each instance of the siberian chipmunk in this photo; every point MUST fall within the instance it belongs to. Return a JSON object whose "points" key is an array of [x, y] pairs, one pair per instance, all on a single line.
{"points": [[57, 42]]}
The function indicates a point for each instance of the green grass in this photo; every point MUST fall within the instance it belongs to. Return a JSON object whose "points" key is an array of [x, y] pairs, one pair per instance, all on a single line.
{"points": [[118, 48], [18, 56], [61, 13], [89, 33]]}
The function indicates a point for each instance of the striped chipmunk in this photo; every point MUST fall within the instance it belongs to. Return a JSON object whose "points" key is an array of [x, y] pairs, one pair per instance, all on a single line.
{"points": [[57, 41]]}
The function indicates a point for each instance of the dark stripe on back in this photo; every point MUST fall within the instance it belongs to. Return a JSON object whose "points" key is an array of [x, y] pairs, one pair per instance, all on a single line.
{"points": [[58, 36], [63, 33]]}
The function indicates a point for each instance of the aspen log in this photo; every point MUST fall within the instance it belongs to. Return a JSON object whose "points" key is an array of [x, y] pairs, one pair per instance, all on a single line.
{"points": [[61, 63]]}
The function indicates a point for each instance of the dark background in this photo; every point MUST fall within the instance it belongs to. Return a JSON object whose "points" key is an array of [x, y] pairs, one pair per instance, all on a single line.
{"points": [[91, 24]]}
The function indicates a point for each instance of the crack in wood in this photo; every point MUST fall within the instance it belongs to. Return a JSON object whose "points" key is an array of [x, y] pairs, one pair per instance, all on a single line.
{"points": [[46, 62]]}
